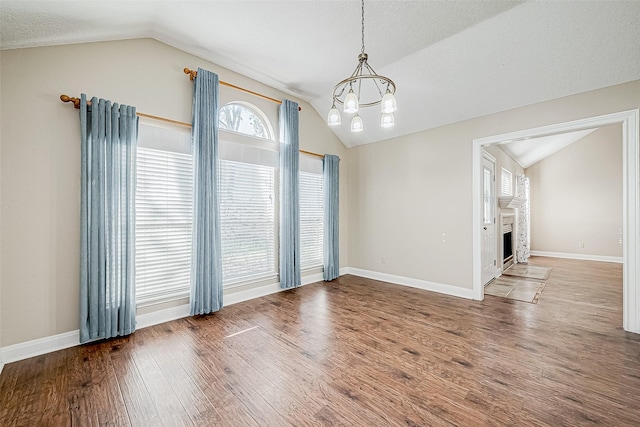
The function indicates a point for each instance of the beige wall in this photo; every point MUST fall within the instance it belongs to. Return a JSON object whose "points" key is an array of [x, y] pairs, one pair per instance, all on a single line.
{"points": [[40, 162], [406, 192], [576, 196], [503, 160]]}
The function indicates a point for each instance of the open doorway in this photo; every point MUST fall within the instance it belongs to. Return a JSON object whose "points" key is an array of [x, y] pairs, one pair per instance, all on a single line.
{"points": [[631, 197]]}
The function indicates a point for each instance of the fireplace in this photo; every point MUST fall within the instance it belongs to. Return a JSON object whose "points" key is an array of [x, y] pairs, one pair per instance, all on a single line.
{"points": [[507, 241], [507, 250]]}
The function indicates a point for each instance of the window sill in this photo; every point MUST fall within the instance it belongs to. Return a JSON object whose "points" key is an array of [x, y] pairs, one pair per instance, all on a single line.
{"points": [[161, 299], [312, 269], [259, 280], [238, 283]]}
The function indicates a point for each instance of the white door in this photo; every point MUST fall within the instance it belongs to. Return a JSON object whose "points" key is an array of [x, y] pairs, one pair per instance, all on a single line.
{"points": [[489, 241]]}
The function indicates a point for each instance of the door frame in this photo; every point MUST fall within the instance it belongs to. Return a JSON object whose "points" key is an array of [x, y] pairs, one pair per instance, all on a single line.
{"points": [[487, 156], [630, 201]]}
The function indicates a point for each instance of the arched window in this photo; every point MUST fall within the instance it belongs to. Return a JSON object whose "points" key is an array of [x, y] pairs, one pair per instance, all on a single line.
{"points": [[248, 166], [246, 119]]}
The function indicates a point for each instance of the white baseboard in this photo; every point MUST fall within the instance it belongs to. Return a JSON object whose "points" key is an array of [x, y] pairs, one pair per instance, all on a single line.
{"points": [[161, 316], [583, 257], [25, 350], [440, 288], [33, 348]]}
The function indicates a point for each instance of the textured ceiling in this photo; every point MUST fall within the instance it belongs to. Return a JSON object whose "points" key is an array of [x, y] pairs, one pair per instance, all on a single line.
{"points": [[528, 152], [451, 60]]}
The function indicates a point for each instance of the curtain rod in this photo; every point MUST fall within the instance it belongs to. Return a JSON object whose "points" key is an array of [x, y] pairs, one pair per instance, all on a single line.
{"points": [[193, 73], [76, 104]]}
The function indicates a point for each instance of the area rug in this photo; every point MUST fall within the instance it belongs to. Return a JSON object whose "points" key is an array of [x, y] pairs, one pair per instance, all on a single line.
{"points": [[516, 289], [528, 271]]}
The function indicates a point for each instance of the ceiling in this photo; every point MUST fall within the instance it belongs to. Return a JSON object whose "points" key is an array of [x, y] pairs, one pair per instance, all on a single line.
{"points": [[528, 152], [451, 60]]}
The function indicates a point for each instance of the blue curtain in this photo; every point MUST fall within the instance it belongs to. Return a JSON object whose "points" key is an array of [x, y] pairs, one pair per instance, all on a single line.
{"points": [[107, 219], [330, 176], [206, 264], [289, 196]]}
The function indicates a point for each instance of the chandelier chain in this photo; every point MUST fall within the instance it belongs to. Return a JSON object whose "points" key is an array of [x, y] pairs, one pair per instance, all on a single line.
{"points": [[362, 51]]}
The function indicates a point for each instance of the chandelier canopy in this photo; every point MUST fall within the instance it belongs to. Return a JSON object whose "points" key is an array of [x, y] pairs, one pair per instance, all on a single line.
{"points": [[364, 88]]}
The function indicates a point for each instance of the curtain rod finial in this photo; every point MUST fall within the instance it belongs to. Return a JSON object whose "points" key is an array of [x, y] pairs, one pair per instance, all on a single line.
{"points": [[75, 101], [192, 73]]}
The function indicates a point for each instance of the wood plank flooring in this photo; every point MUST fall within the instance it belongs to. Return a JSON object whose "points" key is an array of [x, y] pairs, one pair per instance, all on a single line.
{"points": [[355, 352]]}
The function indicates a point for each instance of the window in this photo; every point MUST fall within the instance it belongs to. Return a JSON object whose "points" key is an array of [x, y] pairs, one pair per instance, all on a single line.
{"points": [[248, 166], [507, 187], [245, 119], [164, 204], [164, 213], [311, 219], [487, 211], [247, 221], [311, 212]]}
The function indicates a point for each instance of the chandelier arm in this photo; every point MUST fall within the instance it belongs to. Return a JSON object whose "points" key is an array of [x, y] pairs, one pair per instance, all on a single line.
{"points": [[373, 73], [342, 85], [336, 96], [358, 70]]}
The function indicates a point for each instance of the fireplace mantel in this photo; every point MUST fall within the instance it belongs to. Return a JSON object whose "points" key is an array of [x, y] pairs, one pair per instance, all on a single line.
{"points": [[511, 202]]}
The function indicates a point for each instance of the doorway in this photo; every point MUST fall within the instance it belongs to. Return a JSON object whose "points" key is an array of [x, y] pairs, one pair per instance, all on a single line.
{"points": [[489, 249], [631, 198]]}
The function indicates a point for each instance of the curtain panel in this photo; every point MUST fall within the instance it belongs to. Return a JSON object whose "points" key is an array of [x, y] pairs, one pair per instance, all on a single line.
{"points": [[523, 239], [289, 196], [331, 256], [206, 264], [107, 219]]}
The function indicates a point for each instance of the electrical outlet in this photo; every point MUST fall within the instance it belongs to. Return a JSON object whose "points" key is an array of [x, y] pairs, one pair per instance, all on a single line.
{"points": [[581, 245], [383, 260]]}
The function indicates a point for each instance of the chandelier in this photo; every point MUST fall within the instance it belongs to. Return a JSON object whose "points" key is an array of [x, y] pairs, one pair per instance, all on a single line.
{"points": [[364, 88]]}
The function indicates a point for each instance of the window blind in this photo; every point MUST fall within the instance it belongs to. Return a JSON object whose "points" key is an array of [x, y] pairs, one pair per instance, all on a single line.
{"points": [[506, 184], [164, 216], [311, 219], [247, 221]]}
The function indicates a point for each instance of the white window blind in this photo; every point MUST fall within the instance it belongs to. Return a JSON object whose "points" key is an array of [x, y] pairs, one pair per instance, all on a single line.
{"points": [[507, 186], [164, 216], [247, 221], [311, 219]]}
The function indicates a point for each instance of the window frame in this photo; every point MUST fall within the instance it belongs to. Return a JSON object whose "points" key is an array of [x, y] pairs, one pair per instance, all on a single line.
{"points": [[250, 149], [273, 273], [160, 297], [319, 265], [257, 112]]}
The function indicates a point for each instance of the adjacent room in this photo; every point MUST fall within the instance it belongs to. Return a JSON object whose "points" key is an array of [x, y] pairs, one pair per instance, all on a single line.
{"points": [[247, 213]]}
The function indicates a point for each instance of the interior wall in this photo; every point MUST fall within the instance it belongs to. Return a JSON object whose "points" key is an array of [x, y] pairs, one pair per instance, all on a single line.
{"points": [[410, 205], [503, 160], [576, 197], [40, 162]]}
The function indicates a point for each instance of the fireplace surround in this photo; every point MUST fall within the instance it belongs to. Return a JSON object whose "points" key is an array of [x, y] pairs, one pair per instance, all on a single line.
{"points": [[507, 246]]}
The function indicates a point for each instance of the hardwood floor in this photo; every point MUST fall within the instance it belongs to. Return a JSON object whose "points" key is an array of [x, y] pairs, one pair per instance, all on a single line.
{"points": [[355, 352]]}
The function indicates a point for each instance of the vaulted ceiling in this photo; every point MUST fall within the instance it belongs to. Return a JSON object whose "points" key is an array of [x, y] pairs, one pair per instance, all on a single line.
{"points": [[451, 60]]}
